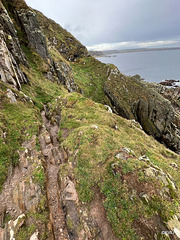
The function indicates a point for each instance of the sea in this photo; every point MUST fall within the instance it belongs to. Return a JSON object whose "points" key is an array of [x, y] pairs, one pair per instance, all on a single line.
{"points": [[152, 66]]}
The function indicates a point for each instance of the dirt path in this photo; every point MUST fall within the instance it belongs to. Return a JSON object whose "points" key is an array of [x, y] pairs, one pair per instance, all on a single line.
{"points": [[53, 156]]}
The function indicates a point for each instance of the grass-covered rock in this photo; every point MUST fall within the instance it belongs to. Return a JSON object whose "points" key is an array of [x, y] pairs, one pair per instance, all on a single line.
{"points": [[105, 153]]}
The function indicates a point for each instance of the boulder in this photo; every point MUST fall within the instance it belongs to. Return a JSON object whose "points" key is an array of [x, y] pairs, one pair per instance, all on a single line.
{"points": [[11, 96]]}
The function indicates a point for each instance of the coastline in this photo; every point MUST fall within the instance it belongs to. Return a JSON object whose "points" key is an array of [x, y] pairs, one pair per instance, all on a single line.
{"points": [[109, 52]]}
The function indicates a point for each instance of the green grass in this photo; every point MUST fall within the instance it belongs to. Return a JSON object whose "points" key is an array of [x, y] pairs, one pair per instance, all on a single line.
{"points": [[95, 137], [40, 89], [19, 121], [39, 176], [94, 142], [90, 75], [25, 232]]}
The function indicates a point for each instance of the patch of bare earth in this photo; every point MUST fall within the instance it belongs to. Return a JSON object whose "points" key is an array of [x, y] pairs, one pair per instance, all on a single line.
{"points": [[98, 212]]}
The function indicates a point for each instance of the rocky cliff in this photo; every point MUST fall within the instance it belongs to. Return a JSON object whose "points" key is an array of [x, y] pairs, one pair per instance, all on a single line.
{"points": [[79, 156], [135, 99]]}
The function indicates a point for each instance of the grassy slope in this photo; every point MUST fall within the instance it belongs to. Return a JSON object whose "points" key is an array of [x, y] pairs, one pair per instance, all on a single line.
{"points": [[93, 151], [22, 120], [90, 75], [19, 121]]}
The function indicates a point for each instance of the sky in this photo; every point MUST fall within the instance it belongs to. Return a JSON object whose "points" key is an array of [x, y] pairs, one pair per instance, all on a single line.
{"points": [[116, 24]]}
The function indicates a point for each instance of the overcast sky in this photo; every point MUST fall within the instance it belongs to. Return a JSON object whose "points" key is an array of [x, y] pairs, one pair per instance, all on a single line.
{"points": [[116, 24]]}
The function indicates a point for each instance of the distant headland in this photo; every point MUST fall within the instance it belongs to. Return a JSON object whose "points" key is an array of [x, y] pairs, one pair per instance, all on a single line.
{"points": [[106, 53]]}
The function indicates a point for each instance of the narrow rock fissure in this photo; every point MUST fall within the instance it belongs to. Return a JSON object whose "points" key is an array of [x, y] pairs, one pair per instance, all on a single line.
{"points": [[53, 156]]}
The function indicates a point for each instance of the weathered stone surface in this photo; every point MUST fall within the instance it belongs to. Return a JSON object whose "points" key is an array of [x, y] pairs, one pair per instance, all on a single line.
{"points": [[64, 74], [10, 52], [34, 236], [11, 96], [108, 108], [9, 70], [20, 194], [134, 99], [154, 172], [10, 36], [34, 34]]}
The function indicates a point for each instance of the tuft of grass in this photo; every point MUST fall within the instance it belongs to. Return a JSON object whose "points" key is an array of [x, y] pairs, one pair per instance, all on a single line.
{"points": [[39, 176], [25, 232]]}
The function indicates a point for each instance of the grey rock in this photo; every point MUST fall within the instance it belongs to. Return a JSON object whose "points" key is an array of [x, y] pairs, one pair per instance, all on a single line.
{"points": [[11, 96], [50, 76], [7, 27], [135, 99], [10, 53], [144, 197], [65, 75], [174, 165], [108, 108], [121, 156], [34, 236], [10, 71], [129, 151], [34, 34]]}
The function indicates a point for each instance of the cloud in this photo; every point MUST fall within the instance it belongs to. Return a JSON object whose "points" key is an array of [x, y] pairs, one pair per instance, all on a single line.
{"points": [[98, 21], [157, 43], [130, 45]]}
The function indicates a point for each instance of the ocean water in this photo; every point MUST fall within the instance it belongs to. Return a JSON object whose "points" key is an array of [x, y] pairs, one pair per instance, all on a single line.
{"points": [[153, 66]]}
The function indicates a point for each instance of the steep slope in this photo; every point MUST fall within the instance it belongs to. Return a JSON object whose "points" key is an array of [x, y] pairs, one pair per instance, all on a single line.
{"points": [[69, 168]]}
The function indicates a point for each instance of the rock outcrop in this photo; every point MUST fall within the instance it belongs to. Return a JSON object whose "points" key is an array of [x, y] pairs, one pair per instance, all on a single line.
{"points": [[22, 193], [10, 52], [65, 75], [12, 55], [33, 31], [69, 47], [10, 36], [134, 99]]}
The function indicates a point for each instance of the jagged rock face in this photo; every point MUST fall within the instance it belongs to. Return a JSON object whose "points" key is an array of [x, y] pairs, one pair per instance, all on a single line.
{"points": [[154, 115], [9, 69], [79, 52], [33, 31], [10, 52], [64, 74], [69, 47], [172, 94], [132, 99], [21, 192], [10, 35]]}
